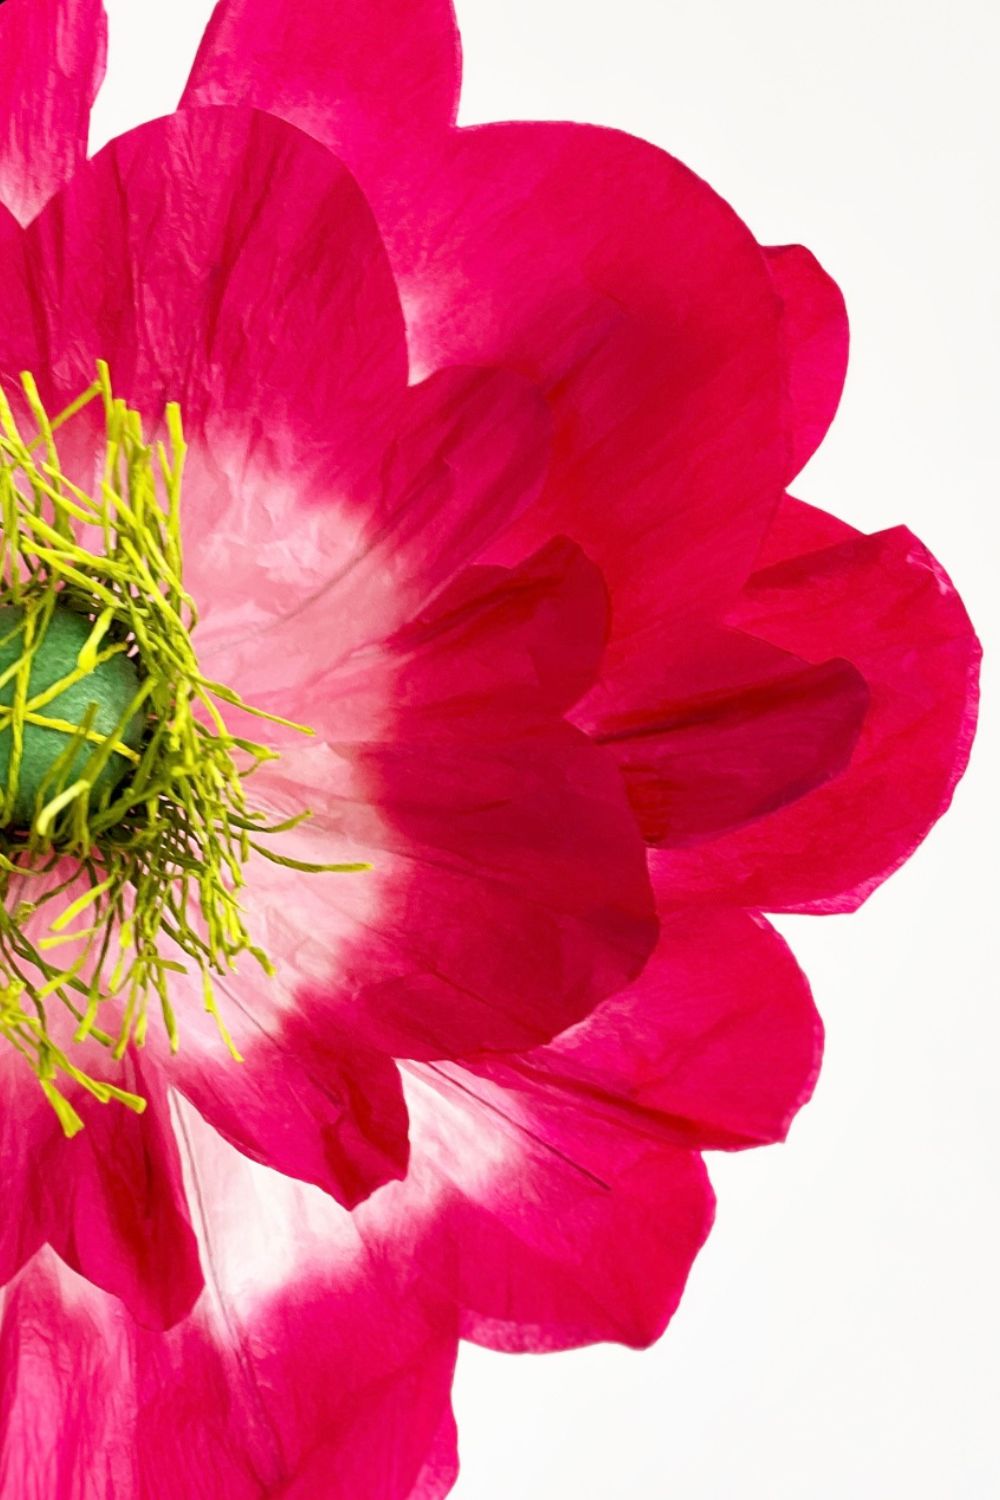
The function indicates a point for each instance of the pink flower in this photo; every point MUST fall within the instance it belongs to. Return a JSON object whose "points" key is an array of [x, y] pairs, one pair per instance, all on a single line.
{"points": [[609, 386]]}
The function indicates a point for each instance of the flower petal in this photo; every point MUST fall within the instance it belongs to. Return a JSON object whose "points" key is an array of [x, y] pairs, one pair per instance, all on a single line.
{"points": [[376, 75], [110, 1201], [347, 568], [716, 1045], [614, 277], [318, 1109], [546, 1227], [797, 528], [511, 894], [591, 262], [508, 890], [306, 1369], [26, 1125], [816, 344], [186, 256], [52, 59], [555, 1197], [736, 730], [885, 604]]}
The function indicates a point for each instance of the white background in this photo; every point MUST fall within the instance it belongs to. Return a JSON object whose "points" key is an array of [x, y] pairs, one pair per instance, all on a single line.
{"points": [[839, 1338]]}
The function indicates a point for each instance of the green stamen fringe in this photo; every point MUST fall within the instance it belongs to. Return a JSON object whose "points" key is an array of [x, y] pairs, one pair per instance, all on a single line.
{"points": [[164, 851]]}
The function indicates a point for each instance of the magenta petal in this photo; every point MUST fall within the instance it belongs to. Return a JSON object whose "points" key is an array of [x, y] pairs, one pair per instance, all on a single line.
{"points": [[469, 452], [28, 1130], [737, 731], [513, 897], [717, 1044], [797, 528], [885, 604], [320, 1110], [440, 1468], [508, 891], [596, 265], [562, 249], [547, 1225], [469, 456], [310, 1368], [555, 1197], [52, 58], [285, 361], [321, 1372], [114, 1202], [376, 76], [111, 1201], [816, 344], [518, 646]]}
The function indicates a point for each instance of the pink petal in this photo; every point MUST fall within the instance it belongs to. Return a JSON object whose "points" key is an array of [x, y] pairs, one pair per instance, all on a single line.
{"points": [[612, 275], [716, 1045], [885, 604], [591, 262], [508, 891], [512, 893], [332, 570], [517, 646], [554, 1197], [797, 528], [816, 343], [369, 73], [545, 1226], [320, 1110], [736, 730], [26, 1125], [308, 1369], [125, 1224], [185, 255], [110, 1201], [440, 1469], [470, 455], [52, 58], [66, 1421]]}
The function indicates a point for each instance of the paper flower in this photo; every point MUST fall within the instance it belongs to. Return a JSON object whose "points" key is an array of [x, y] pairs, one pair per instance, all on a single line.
{"points": [[544, 606]]}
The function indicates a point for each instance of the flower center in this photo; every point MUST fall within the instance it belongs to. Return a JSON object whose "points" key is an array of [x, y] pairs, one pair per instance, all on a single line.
{"points": [[124, 817], [65, 709]]}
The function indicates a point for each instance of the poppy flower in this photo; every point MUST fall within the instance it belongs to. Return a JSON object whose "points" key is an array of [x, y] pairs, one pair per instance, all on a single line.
{"points": [[487, 434]]}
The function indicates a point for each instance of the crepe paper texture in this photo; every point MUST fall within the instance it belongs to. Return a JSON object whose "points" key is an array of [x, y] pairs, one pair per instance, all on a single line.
{"points": [[429, 487]]}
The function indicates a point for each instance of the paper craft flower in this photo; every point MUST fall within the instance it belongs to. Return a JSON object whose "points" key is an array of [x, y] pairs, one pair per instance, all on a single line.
{"points": [[586, 693]]}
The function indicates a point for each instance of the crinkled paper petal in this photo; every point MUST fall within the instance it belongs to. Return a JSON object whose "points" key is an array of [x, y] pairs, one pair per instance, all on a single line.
{"points": [[588, 260], [111, 1201], [52, 57], [816, 344], [716, 1045], [796, 529], [508, 891], [307, 1369], [724, 734], [377, 76], [317, 1108], [220, 259], [556, 1197], [616, 278], [544, 1225], [334, 569], [887, 606]]}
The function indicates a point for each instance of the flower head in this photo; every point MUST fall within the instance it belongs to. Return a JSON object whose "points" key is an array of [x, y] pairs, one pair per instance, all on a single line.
{"points": [[485, 437]]}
